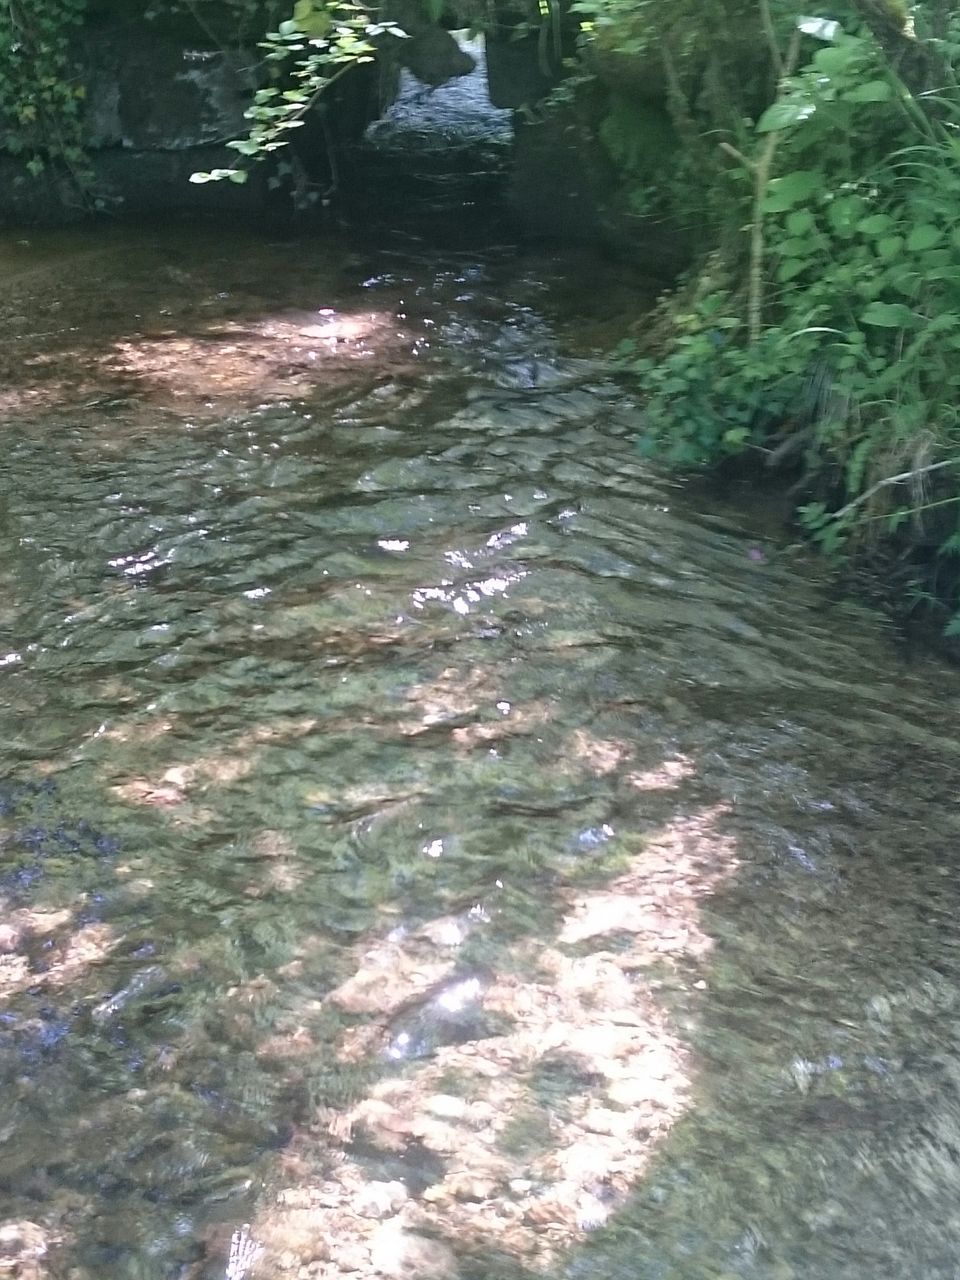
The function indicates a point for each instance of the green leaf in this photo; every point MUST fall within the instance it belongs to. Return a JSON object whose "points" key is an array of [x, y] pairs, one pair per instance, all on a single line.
{"points": [[932, 260], [790, 268], [906, 282], [782, 115], [798, 247], [876, 224], [317, 25], [890, 247], [786, 192], [800, 221], [839, 59], [924, 237], [844, 213], [872, 91], [813, 515], [857, 463], [889, 315]]}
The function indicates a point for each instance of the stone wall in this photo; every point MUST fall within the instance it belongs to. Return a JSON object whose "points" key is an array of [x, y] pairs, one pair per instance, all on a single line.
{"points": [[162, 101], [161, 104]]}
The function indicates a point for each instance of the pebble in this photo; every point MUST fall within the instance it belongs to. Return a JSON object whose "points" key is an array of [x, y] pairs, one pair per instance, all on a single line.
{"points": [[407, 1255], [294, 1198], [380, 1199], [447, 1105]]}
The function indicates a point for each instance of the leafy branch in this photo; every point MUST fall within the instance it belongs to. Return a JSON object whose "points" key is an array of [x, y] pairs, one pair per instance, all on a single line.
{"points": [[326, 39], [40, 95]]}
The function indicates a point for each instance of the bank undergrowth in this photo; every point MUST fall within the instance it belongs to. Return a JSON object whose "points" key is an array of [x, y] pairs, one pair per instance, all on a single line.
{"points": [[821, 333]]}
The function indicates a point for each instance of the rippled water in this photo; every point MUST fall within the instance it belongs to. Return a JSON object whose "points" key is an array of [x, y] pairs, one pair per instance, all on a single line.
{"points": [[405, 787]]}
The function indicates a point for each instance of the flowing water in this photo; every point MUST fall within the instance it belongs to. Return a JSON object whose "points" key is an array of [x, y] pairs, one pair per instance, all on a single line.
{"points": [[432, 843]]}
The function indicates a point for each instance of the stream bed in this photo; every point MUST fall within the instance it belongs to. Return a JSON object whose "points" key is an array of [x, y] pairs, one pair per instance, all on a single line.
{"points": [[433, 844]]}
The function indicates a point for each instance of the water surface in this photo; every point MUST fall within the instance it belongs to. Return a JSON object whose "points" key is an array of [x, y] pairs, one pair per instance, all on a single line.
{"points": [[433, 843]]}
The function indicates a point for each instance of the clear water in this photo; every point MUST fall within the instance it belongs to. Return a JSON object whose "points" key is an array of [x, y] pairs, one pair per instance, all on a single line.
{"points": [[432, 842]]}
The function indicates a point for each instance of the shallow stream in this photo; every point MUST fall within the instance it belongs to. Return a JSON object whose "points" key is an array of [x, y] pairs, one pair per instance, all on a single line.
{"points": [[432, 843]]}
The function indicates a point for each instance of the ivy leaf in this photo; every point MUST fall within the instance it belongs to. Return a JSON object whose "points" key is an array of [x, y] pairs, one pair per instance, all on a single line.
{"points": [[312, 19]]}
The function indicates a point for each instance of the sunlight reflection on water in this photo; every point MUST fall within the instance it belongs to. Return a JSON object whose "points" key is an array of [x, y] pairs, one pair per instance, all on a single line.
{"points": [[423, 828]]}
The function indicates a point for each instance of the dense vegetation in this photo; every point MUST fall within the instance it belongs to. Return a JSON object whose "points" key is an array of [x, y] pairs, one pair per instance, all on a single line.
{"points": [[820, 327], [814, 156]]}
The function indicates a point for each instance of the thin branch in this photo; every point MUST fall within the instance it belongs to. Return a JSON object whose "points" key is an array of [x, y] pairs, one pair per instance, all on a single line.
{"points": [[738, 156], [766, 21], [762, 171], [902, 478]]}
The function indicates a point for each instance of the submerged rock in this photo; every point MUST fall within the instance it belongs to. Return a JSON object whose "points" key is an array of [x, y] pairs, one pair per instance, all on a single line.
{"points": [[407, 1255], [23, 1245], [452, 1015], [380, 1199]]}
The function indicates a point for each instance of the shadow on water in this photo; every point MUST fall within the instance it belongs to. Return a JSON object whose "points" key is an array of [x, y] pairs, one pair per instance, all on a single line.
{"points": [[435, 845]]}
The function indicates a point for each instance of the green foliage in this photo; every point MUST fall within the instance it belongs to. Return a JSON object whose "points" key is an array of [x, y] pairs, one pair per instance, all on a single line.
{"points": [[223, 23], [840, 351], [41, 98], [316, 46], [637, 136], [712, 395], [697, 65]]}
